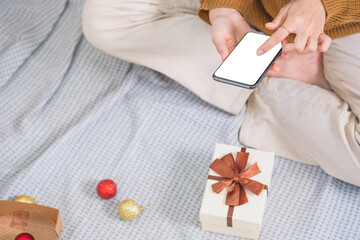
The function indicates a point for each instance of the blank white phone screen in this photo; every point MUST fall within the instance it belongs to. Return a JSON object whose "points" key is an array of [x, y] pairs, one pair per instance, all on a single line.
{"points": [[243, 65]]}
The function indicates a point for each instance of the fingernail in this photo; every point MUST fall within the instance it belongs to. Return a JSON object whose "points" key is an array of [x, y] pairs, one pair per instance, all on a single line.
{"points": [[222, 56], [259, 52]]}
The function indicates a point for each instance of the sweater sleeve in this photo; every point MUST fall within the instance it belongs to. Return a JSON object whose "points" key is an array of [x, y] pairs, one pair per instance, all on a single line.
{"points": [[342, 11], [206, 5]]}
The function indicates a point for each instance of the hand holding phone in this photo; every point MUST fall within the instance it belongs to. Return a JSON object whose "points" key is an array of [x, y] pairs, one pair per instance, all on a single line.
{"points": [[243, 67]]}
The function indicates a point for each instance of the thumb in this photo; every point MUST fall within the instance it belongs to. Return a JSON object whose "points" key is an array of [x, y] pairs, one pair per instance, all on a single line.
{"points": [[279, 20], [220, 44], [224, 54]]}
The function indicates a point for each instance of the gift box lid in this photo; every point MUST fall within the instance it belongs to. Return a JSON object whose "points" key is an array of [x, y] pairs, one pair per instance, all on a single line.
{"points": [[248, 216], [41, 221]]}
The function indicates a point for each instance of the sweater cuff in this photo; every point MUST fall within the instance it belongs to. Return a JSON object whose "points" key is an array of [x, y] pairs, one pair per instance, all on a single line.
{"points": [[341, 11], [206, 5]]}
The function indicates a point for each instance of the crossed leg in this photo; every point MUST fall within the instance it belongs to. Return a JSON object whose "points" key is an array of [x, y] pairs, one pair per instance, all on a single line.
{"points": [[295, 120], [309, 124], [164, 35]]}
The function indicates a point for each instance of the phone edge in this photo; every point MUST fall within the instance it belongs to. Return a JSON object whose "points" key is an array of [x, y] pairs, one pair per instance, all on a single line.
{"points": [[228, 81]]}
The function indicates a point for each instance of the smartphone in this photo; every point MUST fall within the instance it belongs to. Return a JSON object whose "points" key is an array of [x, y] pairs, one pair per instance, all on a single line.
{"points": [[243, 67]]}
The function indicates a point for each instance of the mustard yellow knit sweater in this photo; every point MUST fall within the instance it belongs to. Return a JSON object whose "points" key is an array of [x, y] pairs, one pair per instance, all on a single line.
{"points": [[342, 16]]}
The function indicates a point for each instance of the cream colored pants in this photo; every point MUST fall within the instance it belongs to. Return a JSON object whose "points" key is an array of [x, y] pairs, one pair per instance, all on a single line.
{"points": [[293, 119]]}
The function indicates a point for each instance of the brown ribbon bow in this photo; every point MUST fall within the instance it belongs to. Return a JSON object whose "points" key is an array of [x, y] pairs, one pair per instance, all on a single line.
{"points": [[234, 175]]}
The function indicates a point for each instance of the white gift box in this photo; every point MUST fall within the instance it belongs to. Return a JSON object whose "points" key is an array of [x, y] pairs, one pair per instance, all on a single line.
{"points": [[246, 218]]}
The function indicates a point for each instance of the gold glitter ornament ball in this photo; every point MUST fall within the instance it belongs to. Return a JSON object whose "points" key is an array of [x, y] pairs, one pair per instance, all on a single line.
{"points": [[24, 199], [130, 209]]}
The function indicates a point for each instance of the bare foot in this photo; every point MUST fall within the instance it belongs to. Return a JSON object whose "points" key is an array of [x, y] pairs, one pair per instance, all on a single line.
{"points": [[305, 68]]}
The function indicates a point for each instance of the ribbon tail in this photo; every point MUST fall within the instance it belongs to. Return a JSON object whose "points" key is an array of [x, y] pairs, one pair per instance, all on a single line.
{"points": [[232, 197], [254, 186], [242, 198], [236, 195], [219, 186]]}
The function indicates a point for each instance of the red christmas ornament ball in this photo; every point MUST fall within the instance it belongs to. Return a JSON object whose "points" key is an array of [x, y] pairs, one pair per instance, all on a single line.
{"points": [[106, 189], [24, 236]]}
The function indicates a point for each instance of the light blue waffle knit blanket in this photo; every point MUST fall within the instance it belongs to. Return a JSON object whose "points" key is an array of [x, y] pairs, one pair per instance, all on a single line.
{"points": [[71, 115]]}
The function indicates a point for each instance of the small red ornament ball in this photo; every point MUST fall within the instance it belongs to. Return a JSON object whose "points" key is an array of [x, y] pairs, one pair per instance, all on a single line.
{"points": [[106, 189], [24, 236]]}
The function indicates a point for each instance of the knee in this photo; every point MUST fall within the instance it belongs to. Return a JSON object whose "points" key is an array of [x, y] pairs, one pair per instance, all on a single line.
{"points": [[103, 24], [92, 26]]}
